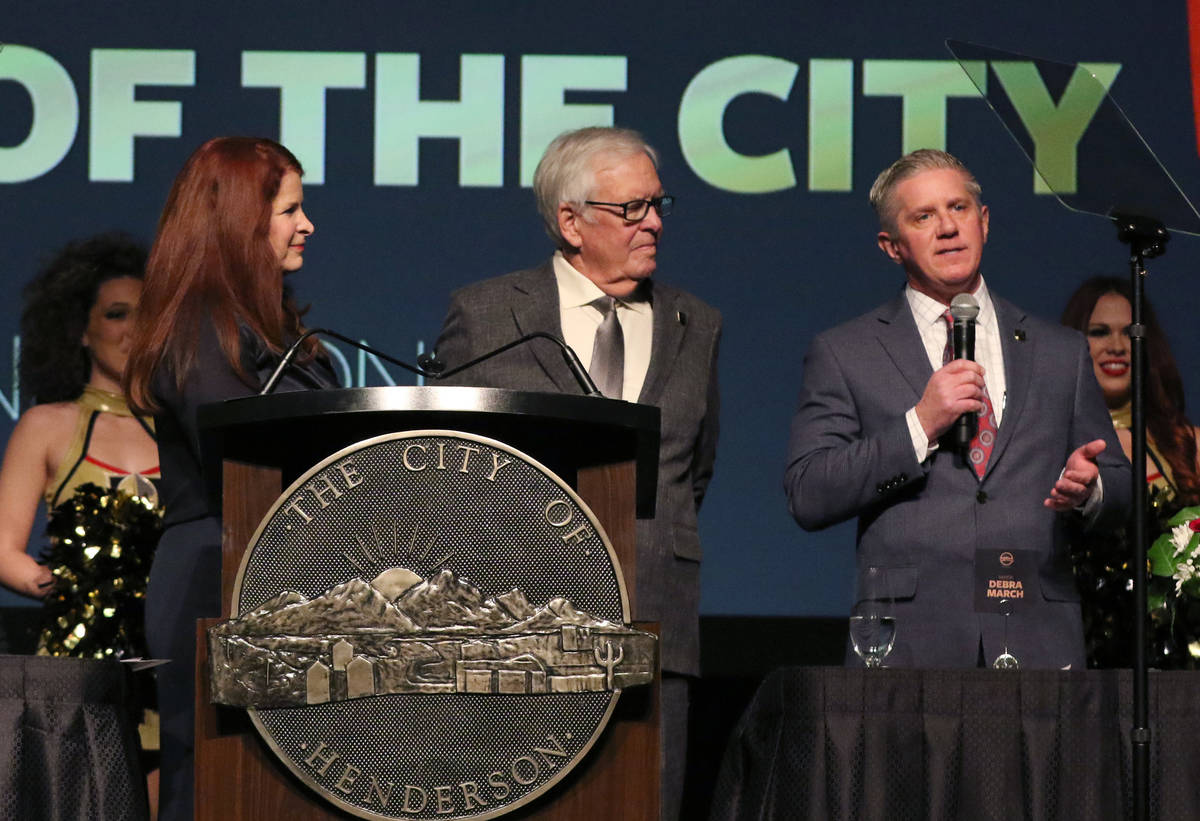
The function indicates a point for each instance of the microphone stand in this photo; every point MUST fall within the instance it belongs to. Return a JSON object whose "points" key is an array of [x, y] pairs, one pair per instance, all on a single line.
{"points": [[1146, 238], [1118, 177]]}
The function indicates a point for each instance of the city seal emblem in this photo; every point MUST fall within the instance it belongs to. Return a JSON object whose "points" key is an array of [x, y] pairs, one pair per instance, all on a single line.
{"points": [[429, 624]]}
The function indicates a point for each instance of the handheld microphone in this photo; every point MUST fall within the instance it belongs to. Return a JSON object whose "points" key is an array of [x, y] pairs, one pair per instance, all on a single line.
{"points": [[964, 309]]}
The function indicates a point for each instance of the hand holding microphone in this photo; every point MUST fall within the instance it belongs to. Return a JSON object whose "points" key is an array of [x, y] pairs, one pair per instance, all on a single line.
{"points": [[954, 395], [963, 310]]}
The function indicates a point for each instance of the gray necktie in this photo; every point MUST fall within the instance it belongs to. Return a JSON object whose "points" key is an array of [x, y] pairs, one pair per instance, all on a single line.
{"points": [[608, 351]]}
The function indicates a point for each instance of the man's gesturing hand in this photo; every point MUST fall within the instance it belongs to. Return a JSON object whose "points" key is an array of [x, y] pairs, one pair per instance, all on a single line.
{"points": [[1079, 476]]}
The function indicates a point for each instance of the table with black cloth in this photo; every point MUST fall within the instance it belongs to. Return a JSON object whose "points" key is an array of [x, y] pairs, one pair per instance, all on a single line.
{"points": [[835, 743], [69, 741]]}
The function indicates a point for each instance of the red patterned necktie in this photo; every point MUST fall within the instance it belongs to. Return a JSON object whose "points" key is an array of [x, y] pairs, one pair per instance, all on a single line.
{"points": [[985, 429]]}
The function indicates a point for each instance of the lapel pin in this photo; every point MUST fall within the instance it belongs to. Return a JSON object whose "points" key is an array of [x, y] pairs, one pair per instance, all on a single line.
{"points": [[681, 317], [1019, 334]]}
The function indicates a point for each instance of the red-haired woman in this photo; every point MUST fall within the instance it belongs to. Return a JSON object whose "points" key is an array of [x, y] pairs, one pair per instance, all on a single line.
{"points": [[215, 318], [1101, 308]]}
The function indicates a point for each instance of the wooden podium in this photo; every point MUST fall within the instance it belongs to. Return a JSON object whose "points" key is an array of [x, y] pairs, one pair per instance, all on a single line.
{"points": [[253, 448]]}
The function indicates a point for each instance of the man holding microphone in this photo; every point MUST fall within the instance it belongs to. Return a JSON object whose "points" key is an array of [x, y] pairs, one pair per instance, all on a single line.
{"points": [[970, 538]]}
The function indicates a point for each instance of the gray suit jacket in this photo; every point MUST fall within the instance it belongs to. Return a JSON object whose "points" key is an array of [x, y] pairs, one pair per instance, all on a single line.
{"points": [[851, 455], [681, 381]]}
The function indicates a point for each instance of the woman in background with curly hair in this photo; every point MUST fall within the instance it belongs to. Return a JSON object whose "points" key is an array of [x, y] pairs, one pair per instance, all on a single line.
{"points": [[215, 321], [1101, 308], [80, 434], [90, 459]]}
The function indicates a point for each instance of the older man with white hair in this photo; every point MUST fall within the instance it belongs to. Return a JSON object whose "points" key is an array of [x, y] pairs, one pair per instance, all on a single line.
{"points": [[602, 202]]}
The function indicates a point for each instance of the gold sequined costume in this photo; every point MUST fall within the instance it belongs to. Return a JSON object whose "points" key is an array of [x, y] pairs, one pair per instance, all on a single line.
{"points": [[1105, 576], [104, 522]]}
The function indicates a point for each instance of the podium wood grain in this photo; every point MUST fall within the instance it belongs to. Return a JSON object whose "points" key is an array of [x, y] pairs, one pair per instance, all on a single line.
{"points": [[237, 777]]}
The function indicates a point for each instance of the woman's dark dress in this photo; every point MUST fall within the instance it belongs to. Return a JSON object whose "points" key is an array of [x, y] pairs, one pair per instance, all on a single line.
{"points": [[185, 580]]}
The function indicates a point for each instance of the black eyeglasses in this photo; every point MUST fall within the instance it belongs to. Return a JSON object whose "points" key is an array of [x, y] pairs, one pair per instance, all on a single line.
{"points": [[636, 210]]}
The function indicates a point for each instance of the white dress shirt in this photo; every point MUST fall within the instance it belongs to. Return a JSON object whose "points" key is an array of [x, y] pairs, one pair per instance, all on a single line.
{"points": [[927, 313], [580, 319]]}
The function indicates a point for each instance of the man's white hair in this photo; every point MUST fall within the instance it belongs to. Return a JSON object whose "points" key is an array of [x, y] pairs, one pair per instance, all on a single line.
{"points": [[567, 171]]}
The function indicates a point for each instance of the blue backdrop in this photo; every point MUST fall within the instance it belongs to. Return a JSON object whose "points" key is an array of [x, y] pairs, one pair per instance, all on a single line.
{"points": [[419, 125]]}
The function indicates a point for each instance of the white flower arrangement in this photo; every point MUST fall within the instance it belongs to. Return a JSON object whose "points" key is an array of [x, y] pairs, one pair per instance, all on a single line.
{"points": [[1174, 553]]}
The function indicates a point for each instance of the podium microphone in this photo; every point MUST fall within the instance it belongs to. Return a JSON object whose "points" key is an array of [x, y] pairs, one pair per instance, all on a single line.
{"points": [[292, 350], [436, 369], [963, 310], [429, 366]]}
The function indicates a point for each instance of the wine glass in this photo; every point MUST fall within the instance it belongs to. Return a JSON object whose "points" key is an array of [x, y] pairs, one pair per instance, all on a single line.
{"points": [[872, 625], [1006, 660]]}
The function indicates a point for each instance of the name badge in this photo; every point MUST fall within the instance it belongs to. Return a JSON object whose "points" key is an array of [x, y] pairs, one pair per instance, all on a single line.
{"points": [[1004, 580]]}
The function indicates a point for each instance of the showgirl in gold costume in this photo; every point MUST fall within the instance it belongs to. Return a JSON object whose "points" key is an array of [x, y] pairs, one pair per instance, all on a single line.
{"points": [[94, 464], [81, 450], [1101, 309]]}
